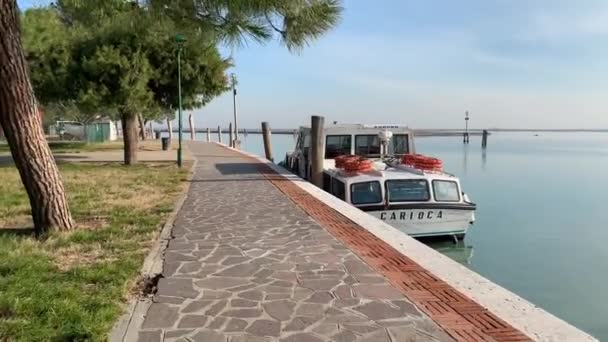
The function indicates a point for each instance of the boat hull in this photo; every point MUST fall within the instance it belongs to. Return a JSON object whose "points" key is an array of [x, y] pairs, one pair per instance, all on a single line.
{"points": [[427, 222]]}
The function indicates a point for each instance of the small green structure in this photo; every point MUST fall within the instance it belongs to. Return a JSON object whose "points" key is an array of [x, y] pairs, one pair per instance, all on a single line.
{"points": [[98, 132]]}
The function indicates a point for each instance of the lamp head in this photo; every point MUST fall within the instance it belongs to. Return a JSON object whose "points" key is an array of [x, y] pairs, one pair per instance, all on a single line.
{"points": [[180, 39]]}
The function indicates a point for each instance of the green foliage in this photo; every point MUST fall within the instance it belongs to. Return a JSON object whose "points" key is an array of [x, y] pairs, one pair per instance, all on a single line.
{"points": [[117, 59], [118, 56], [48, 46], [296, 22]]}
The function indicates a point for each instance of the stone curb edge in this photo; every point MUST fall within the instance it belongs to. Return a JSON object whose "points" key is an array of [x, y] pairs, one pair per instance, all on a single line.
{"points": [[128, 324]]}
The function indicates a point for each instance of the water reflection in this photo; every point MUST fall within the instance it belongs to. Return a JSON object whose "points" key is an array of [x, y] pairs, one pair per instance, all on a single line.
{"points": [[483, 159], [459, 251], [465, 157]]}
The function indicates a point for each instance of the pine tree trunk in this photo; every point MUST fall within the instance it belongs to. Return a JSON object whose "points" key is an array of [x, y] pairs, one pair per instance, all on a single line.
{"points": [[170, 129], [129, 136], [22, 127], [142, 127]]}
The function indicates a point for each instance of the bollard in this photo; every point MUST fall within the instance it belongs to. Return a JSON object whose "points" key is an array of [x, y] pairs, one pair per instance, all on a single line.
{"points": [[267, 142], [230, 136], [208, 134], [484, 138], [465, 137], [316, 151], [219, 134]]}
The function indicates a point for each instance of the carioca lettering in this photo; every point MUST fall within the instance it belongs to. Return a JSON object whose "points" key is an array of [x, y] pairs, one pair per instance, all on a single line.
{"points": [[421, 215]]}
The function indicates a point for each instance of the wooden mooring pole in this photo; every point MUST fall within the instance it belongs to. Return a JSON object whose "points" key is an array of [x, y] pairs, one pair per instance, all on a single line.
{"points": [[316, 151], [192, 132], [230, 136], [219, 134], [484, 139], [267, 142], [208, 134], [465, 137]]}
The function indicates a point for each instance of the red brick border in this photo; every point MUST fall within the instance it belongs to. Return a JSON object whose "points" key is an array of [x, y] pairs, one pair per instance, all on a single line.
{"points": [[461, 317]]}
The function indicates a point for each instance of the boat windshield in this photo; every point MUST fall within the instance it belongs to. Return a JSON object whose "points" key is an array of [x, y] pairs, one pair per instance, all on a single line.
{"points": [[446, 191], [337, 145], [407, 190], [365, 193], [400, 144], [367, 145]]}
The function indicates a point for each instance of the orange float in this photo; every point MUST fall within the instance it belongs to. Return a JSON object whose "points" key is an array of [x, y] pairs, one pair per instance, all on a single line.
{"points": [[352, 163], [340, 160], [422, 162]]}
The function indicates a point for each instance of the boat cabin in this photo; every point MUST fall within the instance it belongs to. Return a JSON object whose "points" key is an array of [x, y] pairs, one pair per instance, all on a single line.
{"points": [[419, 203], [353, 139], [393, 187]]}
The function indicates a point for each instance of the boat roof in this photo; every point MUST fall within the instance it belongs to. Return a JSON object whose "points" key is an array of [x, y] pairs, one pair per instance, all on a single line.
{"points": [[337, 128], [397, 172]]}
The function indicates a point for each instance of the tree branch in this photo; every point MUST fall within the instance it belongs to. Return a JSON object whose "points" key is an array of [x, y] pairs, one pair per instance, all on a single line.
{"points": [[282, 32]]}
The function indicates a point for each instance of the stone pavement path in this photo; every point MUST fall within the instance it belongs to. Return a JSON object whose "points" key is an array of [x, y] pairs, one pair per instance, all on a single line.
{"points": [[246, 264]]}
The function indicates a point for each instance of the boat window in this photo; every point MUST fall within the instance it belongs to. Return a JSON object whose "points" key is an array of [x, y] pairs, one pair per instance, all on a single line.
{"points": [[326, 182], [337, 145], [400, 144], [367, 145], [338, 189], [446, 191], [405, 190], [365, 193]]}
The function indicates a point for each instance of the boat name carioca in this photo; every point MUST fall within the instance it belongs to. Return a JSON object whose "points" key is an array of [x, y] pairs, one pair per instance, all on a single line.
{"points": [[404, 215]]}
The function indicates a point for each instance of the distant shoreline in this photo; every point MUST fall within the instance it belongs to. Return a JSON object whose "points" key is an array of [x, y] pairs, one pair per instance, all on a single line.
{"points": [[419, 132]]}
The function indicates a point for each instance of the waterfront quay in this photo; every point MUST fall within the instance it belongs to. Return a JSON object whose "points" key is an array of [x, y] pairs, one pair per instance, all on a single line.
{"points": [[257, 254]]}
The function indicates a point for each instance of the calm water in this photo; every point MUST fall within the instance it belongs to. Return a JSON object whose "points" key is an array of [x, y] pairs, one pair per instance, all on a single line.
{"points": [[541, 221]]}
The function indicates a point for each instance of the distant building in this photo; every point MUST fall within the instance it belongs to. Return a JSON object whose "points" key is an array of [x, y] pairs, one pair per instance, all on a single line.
{"points": [[100, 130]]}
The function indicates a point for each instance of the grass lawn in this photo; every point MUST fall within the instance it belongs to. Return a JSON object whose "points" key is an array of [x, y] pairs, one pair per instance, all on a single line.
{"points": [[83, 147], [72, 286], [75, 146]]}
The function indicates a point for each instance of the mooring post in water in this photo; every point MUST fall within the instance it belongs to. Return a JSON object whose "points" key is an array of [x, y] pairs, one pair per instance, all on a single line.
{"points": [[192, 132], [267, 143], [208, 134], [316, 151], [466, 128], [219, 134], [230, 137], [484, 138]]}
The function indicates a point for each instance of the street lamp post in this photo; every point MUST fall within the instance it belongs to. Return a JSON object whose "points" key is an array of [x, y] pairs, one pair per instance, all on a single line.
{"points": [[180, 40], [236, 125]]}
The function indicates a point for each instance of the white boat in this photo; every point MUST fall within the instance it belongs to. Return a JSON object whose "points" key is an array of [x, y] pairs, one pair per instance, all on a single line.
{"points": [[418, 202]]}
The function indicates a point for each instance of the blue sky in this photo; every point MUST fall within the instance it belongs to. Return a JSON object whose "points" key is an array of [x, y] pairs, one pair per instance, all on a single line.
{"points": [[511, 63]]}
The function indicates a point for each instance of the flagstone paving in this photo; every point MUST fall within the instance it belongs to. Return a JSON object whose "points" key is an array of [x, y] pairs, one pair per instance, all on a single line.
{"points": [[247, 264]]}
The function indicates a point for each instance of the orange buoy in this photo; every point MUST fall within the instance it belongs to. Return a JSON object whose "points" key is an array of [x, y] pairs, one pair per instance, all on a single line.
{"points": [[422, 162], [358, 165], [340, 160]]}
